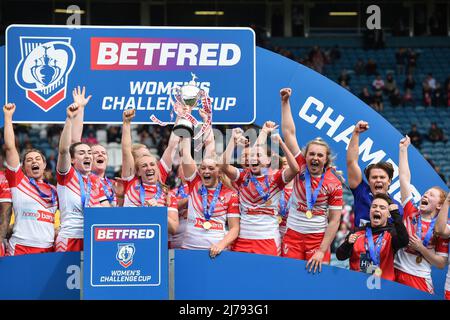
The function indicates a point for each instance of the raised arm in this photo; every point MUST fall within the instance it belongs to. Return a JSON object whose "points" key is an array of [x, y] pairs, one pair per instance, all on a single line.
{"points": [[287, 122], [127, 157], [353, 169], [210, 144], [441, 227], [269, 127], [187, 162], [12, 155], [403, 169], [226, 167], [291, 171], [79, 98], [169, 153], [63, 164]]}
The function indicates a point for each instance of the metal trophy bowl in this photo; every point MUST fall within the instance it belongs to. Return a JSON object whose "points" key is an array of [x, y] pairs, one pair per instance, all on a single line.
{"points": [[188, 97]]}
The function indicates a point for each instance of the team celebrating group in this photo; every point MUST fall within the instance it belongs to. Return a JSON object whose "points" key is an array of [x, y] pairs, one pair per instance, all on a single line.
{"points": [[292, 211]]}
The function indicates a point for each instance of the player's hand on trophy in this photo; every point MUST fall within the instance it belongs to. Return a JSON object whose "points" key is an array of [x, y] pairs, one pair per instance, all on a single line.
{"points": [[203, 114], [79, 97], [405, 142], [73, 110], [285, 94], [361, 127], [128, 115], [8, 110], [269, 127]]}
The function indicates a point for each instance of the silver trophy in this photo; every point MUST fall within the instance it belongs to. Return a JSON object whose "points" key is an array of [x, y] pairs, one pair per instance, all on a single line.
{"points": [[186, 98]]}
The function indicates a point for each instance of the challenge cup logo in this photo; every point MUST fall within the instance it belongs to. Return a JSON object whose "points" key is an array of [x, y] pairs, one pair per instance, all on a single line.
{"points": [[125, 254], [44, 69]]}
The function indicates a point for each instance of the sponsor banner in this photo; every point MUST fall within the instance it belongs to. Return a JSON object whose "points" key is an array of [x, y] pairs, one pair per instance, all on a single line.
{"points": [[126, 253], [44, 276], [275, 278], [128, 67], [137, 252]]}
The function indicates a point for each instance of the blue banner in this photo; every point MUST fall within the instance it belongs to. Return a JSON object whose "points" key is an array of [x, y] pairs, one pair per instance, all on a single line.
{"points": [[125, 253], [46, 276], [198, 277], [128, 67]]}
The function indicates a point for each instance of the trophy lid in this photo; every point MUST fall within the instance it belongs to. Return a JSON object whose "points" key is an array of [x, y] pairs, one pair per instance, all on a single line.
{"points": [[191, 90]]}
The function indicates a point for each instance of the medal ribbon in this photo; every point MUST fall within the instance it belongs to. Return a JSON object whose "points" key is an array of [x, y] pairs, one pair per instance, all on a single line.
{"points": [[42, 194], [284, 205], [85, 195], [109, 196], [208, 212], [259, 188], [312, 198], [142, 193], [374, 249], [181, 192], [429, 233]]}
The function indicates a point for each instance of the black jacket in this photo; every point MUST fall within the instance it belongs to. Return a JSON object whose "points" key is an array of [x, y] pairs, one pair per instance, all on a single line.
{"points": [[399, 234]]}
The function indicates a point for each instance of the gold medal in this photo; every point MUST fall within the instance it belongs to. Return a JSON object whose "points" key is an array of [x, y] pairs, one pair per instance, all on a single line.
{"points": [[207, 225], [280, 219], [309, 214], [419, 259], [268, 202], [378, 272]]}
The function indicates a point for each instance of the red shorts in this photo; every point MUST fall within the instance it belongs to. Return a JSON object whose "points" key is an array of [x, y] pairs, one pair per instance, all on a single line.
{"points": [[19, 249], [302, 246], [447, 295], [67, 244], [419, 283], [259, 246]]}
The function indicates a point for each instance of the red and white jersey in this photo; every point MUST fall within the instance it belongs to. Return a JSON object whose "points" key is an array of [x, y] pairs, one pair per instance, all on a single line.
{"points": [[259, 219], [227, 206], [405, 260], [34, 215], [5, 192], [176, 240], [72, 216], [133, 195], [287, 196], [329, 198]]}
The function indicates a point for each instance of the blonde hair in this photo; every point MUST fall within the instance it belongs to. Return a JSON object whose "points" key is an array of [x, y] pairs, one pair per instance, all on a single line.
{"points": [[320, 142]]}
